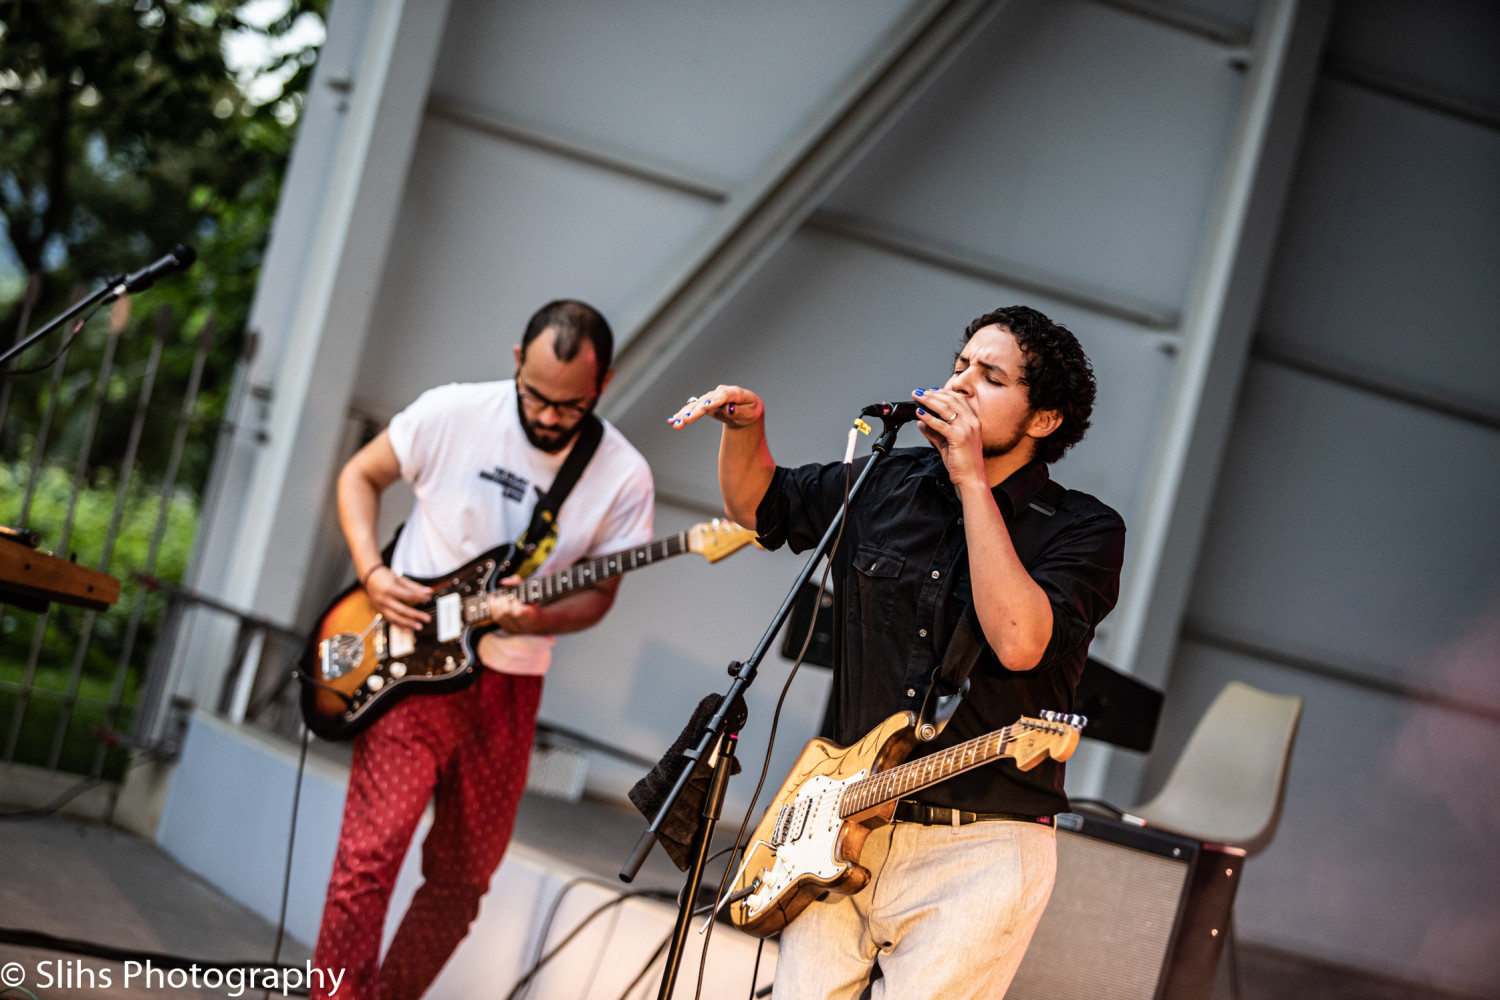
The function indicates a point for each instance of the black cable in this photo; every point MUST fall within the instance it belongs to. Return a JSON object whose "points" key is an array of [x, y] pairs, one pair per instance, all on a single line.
{"points": [[52, 808], [546, 930], [34, 369], [55, 806], [291, 841], [765, 768], [1110, 808], [645, 969], [622, 897], [755, 970]]}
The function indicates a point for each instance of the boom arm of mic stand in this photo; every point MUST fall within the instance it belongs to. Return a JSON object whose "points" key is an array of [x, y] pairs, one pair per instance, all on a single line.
{"points": [[744, 674], [111, 291]]}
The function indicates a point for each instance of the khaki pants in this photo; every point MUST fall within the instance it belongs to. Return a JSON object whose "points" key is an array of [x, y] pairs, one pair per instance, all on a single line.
{"points": [[948, 913]]}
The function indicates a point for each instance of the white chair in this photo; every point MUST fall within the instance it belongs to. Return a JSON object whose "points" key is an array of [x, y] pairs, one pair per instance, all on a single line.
{"points": [[1229, 782]]}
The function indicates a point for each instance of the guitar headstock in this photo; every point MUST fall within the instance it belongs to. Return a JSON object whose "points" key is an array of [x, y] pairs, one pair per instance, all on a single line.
{"points": [[715, 539], [1054, 735]]}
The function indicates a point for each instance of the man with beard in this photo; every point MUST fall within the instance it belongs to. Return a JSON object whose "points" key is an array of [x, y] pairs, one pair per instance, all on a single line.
{"points": [[478, 456], [960, 879]]}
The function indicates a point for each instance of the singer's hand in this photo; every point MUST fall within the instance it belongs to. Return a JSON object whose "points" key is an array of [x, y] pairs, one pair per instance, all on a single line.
{"points": [[950, 421], [393, 596], [729, 404], [511, 614]]}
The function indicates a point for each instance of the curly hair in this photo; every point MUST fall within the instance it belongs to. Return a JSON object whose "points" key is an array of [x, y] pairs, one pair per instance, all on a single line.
{"points": [[1058, 374]]}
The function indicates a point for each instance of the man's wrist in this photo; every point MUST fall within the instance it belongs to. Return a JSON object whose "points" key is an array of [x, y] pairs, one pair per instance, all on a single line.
{"points": [[364, 578]]}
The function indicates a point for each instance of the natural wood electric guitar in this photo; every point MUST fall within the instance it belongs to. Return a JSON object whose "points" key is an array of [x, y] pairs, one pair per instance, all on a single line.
{"points": [[357, 664], [810, 838]]}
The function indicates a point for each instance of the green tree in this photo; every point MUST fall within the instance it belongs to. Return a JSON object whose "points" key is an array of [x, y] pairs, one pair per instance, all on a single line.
{"points": [[122, 133]]}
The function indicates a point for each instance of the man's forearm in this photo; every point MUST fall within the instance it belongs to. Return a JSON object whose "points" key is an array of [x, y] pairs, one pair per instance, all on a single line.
{"points": [[575, 612], [1013, 610], [745, 470], [359, 511]]}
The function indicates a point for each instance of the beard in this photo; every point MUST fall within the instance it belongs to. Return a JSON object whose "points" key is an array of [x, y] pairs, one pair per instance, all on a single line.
{"points": [[548, 439], [995, 449]]}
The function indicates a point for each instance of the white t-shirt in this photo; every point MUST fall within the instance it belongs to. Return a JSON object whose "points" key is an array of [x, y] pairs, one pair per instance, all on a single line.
{"points": [[462, 448]]}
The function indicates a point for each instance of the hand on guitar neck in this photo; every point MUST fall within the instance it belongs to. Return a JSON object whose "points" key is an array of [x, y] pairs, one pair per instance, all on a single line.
{"points": [[573, 612]]}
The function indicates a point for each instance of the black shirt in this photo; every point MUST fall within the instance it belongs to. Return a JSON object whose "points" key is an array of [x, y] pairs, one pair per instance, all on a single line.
{"points": [[901, 583]]}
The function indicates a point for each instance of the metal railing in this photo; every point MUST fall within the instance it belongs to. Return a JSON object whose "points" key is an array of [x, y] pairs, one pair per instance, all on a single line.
{"points": [[69, 684]]}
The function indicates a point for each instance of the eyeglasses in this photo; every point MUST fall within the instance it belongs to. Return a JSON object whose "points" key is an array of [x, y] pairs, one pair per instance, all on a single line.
{"points": [[536, 402]]}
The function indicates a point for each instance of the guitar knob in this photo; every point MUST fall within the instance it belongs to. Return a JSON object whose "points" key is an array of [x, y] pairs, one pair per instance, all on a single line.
{"points": [[397, 670], [375, 682]]}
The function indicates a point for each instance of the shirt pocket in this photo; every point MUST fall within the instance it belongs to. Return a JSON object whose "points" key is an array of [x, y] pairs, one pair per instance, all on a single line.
{"points": [[879, 580]]}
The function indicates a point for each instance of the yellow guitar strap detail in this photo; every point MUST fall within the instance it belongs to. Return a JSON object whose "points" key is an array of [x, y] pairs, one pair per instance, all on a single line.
{"points": [[543, 549]]}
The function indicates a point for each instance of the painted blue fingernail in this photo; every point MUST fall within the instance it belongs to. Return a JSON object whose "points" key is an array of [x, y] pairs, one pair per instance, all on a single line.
{"points": [[920, 410], [730, 408], [918, 392], [934, 388], [705, 402]]}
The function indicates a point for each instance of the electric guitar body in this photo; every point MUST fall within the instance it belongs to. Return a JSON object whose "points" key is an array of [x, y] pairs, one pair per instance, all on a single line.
{"points": [[809, 841], [357, 665]]}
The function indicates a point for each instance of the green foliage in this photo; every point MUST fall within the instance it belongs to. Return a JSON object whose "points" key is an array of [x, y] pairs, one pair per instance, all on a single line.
{"points": [[107, 676], [110, 673], [122, 133]]}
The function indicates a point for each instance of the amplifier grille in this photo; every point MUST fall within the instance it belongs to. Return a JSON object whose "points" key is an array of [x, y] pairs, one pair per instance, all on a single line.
{"points": [[1107, 928]]}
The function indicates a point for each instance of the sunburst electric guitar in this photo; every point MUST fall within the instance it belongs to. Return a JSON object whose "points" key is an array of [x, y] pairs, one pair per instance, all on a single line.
{"points": [[357, 664], [809, 841]]}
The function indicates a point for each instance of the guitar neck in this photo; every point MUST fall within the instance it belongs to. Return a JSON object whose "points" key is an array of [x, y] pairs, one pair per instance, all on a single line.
{"points": [[927, 771], [541, 589]]}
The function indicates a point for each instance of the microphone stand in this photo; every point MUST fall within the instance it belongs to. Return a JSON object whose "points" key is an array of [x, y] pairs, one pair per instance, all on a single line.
{"points": [[113, 289], [720, 734]]}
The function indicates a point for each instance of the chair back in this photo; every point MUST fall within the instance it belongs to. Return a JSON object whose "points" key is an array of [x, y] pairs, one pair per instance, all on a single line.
{"points": [[1229, 782]]}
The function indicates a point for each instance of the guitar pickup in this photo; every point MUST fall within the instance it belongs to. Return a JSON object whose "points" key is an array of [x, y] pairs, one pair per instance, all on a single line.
{"points": [[450, 617], [399, 641]]}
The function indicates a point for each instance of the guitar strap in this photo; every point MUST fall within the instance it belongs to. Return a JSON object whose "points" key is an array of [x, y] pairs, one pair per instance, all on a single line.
{"points": [[950, 678], [537, 541]]}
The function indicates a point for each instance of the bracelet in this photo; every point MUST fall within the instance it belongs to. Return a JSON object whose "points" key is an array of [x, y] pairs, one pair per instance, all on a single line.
{"points": [[364, 581]]}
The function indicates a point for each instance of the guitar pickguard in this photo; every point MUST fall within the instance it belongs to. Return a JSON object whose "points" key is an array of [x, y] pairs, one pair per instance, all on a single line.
{"points": [[805, 840]]}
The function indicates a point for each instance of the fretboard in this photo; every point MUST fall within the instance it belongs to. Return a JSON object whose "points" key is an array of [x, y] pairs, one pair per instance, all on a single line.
{"points": [[541, 589], [919, 774]]}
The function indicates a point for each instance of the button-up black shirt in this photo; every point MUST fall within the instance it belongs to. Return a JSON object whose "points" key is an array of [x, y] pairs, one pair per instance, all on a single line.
{"points": [[901, 583]]}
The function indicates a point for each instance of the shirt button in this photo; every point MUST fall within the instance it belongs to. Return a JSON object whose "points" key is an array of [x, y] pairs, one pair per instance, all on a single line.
{"points": [[960, 520], [922, 632], [911, 692], [936, 574]]}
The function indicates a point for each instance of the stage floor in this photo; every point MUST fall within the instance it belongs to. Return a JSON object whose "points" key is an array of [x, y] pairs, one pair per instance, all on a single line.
{"points": [[94, 883]]}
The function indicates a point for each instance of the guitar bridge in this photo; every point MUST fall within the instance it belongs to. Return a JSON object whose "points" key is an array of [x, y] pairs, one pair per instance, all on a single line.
{"points": [[339, 654]]}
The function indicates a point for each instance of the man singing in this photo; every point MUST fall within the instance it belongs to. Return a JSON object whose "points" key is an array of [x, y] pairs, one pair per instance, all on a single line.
{"points": [[961, 877], [477, 456]]}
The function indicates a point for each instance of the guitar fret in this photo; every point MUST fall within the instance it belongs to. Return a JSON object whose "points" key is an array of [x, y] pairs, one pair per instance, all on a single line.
{"points": [[895, 782]]}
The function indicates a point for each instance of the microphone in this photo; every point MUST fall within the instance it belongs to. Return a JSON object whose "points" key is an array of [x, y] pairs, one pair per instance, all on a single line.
{"points": [[891, 413], [181, 257]]}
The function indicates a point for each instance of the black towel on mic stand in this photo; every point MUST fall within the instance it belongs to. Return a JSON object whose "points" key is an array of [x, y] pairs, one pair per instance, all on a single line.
{"points": [[681, 825]]}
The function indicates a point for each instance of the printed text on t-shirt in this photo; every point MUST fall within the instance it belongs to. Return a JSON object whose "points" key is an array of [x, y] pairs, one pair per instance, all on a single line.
{"points": [[513, 485]]}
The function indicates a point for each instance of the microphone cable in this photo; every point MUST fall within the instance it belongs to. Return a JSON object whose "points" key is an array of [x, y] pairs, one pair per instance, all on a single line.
{"points": [[739, 837]]}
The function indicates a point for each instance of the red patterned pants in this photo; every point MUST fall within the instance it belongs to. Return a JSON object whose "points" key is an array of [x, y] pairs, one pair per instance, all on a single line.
{"points": [[468, 752]]}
